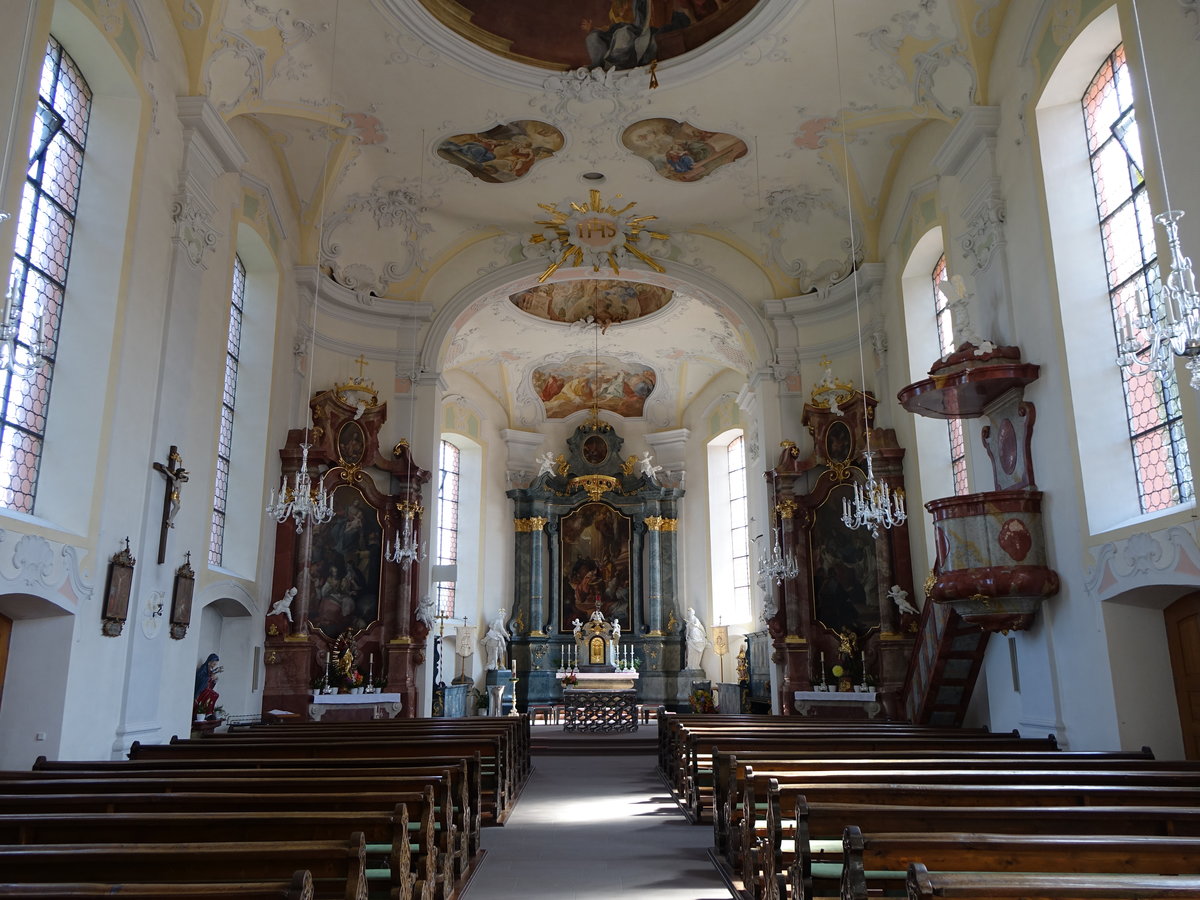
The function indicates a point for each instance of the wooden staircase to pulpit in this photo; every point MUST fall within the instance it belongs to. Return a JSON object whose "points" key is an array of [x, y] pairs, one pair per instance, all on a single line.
{"points": [[944, 667]]}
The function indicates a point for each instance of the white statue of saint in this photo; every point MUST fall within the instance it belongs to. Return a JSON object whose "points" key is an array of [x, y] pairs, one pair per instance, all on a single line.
{"points": [[426, 612], [495, 643], [899, 596], [283, 604], [616, 631], [546, 463], [697, 639], [577, 628]]}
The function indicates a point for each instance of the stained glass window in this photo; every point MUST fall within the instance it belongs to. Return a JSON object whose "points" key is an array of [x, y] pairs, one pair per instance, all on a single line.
{"points": [[449, 475], [216, 541], [945, 330], [38, 276], [1160, 454]]}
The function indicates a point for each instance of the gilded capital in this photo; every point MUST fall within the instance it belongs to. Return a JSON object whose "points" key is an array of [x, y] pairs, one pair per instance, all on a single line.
{"points": [[532, 524], [786, 508], [661, 523]]}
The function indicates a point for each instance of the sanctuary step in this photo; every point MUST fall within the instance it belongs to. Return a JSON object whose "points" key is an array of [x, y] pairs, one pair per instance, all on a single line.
{"points": [[553, 741]]}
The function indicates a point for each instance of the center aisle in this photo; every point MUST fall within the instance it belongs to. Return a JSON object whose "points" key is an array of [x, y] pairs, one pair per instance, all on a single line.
{"points": [[593, 828]]}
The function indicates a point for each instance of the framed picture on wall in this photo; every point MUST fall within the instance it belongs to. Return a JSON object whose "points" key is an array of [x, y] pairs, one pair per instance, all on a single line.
{"points": [[116, 592], [345, 569]]}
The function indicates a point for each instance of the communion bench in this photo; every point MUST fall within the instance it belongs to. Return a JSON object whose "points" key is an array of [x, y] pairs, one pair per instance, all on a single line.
{"points": [[600, 710]]}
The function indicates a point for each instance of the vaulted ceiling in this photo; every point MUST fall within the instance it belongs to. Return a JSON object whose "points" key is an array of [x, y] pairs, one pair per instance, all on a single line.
{"points": [[409, 129]]}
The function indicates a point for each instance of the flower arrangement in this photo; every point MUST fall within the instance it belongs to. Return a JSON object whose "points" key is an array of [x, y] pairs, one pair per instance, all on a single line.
{"points": [[570, 679], [354, 679], [701, 701]]}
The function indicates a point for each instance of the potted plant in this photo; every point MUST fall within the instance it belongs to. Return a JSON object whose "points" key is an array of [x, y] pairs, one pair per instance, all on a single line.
{"points": [[478, 701]]}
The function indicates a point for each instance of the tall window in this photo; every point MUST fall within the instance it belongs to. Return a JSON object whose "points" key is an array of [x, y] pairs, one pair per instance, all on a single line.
{"points": [[449, 476], [1160, 453], [945, 330], [216, 541], [739, 523], [39, 268]]}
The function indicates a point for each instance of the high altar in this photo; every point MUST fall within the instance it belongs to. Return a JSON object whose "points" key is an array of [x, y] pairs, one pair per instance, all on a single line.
{"points": [[594, 533], [599, 685]]}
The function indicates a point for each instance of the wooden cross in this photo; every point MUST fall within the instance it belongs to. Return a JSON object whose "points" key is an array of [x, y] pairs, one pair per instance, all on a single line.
{"points": [[175, 474]]}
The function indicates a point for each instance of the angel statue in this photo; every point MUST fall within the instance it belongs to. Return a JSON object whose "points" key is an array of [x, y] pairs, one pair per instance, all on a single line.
{"points": [[546, 463], [284, 604], [899, 596], [649, 469]]}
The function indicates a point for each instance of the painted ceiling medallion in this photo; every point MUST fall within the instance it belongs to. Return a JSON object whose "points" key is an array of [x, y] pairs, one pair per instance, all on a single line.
{"points": [[679, 151], [604, 300], [585, 381], [506, 152], [613, 34], [594, 234]]}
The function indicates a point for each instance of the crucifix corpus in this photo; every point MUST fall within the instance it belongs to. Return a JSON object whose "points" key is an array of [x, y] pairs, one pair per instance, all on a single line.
{"points": [[175, 474]]}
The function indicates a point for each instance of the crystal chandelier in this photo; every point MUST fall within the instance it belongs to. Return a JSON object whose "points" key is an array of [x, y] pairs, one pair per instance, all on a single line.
{"points": [[300, 501], [875, 505], [1172, 325], [25, 358], [775, 566], [1171, 322], [407, 547]]}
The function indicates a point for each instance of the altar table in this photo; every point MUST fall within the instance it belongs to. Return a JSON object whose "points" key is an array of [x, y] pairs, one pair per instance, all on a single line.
{"points": [[382, 706], [600, 711], [810, 703]]}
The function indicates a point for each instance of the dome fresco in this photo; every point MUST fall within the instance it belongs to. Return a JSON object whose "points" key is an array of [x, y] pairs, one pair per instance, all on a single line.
{"points": [[606, 301]]}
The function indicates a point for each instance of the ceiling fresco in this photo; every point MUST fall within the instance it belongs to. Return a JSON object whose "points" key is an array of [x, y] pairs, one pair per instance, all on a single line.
{"points": [[679, 151], [580, 382], [605, 301], [504, 153], [617, 34]]}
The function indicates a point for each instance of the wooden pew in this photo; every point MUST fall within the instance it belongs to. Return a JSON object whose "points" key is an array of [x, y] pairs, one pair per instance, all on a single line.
{"points": [[442, 834], [299, 887], [338, 868], [922, 884], [880, 852], [465, 776], [729, 770], [495, 788], [764, 863], [420, 878]]}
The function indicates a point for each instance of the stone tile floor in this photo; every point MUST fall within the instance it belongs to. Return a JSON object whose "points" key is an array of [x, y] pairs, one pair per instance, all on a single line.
{"points": [[594, 828]]}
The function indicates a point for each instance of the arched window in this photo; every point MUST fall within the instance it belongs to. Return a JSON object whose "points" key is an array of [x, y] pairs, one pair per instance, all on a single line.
{"points": [[449, 479], [38, 276], [729, 515], [237, 302], [945, 330], [1159, 447]]}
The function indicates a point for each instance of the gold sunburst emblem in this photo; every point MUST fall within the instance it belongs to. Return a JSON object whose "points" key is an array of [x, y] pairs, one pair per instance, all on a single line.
{"points": [[594, 233]]}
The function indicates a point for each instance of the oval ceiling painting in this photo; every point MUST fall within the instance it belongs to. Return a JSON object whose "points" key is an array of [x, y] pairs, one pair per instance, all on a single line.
{"points": [[504, 153], [574, 384], [609, 34], [680, 151], [607, 301]]}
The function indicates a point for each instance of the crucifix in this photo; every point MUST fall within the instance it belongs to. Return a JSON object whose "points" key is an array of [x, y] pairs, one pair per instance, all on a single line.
{"points": [[362, 363], [175, 474]]}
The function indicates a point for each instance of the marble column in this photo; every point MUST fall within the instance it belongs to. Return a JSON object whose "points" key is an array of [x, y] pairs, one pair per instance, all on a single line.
{"points": [[531, 546]]}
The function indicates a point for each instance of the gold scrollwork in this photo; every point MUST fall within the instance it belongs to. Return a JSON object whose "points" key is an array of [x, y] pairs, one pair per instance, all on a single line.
{"points": [[272, 658], [628, 465], [839, 470], [595, 485], [532, 524], [661, 523]]}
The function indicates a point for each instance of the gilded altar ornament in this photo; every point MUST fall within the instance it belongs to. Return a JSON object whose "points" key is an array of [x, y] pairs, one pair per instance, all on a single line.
{"points": [[593, 233], [829, 393], [358, 392], [595, 485], [661, 523], [786, 508], [627, 467]]}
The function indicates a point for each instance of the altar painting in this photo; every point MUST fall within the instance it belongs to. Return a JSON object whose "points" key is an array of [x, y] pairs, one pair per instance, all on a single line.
{"points": [[595, 564], [345, 567], [843, 569]]}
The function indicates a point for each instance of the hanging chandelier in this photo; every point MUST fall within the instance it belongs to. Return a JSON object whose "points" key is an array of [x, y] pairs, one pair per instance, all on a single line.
{"points": [[407, 547], [1170, 318], [875, 505], [300, 502], [775, 566], [25, 357]]}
